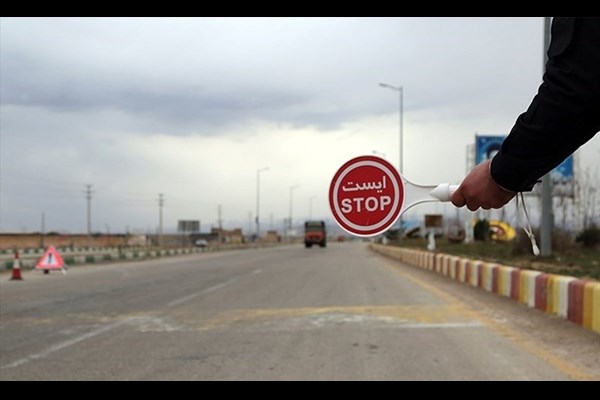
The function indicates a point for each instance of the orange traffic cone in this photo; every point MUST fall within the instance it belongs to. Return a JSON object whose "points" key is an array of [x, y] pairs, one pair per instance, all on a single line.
{"points": [[16, 269]]}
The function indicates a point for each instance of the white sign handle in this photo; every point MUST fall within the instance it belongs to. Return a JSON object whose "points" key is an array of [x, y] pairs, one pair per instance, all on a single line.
{"points": [[417, 194], [443, 191]]}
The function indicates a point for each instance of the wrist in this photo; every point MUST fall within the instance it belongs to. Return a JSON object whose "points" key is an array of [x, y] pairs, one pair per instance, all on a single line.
{"points": [[494, 180]]}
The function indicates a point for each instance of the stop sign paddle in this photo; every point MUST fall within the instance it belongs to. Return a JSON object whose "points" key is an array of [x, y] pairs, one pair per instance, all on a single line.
{"points": [[367, 195]]}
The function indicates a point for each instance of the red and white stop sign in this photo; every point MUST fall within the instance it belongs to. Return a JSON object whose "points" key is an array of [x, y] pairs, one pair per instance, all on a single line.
{"points": [[366, 196]]}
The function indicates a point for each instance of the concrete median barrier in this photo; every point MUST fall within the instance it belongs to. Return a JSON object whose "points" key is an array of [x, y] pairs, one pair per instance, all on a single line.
{"points": [[577, 300], [97, 255]]}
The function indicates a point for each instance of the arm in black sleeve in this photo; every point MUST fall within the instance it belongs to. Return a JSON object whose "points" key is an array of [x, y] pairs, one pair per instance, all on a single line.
{"points": [[563, 115]]}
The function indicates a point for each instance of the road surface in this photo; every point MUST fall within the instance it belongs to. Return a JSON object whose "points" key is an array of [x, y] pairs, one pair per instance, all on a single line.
{"points": [[285, 313]]}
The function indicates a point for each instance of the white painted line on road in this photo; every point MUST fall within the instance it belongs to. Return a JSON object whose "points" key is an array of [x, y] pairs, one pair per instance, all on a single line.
{"points": [[184, 299], [209, 290], [205, 291], [216, 287], [68, 343]]}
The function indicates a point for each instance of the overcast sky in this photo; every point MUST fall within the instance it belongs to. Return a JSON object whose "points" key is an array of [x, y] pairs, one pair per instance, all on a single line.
{"points": [[192, 107]]}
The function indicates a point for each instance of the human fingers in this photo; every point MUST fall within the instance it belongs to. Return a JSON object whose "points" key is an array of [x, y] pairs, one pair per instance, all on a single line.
{"points": [[472, 205], [458, 199]]}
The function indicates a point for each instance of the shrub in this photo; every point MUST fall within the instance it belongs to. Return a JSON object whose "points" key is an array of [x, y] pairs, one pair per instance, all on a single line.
{"points": [[589, 237], [481, 230], [562, 242]]}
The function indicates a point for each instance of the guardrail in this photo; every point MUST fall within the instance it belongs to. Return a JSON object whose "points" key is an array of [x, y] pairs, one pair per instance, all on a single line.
{"points": [[577, 300]]}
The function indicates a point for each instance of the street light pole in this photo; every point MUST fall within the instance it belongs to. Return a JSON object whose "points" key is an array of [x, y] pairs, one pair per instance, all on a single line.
{"points": [[291, 204], [400, 91], [547, 215], [258, 171]]}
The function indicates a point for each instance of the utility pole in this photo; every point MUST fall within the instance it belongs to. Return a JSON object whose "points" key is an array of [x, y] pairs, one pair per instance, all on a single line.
{"points": [[258, 171], [43, 230], [250, 225], [88, 196], [161, 203], [547, 215], [220, 223]]}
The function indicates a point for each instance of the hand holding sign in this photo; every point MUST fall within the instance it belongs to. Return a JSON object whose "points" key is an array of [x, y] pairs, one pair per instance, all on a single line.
{"points": [[367, 195]]}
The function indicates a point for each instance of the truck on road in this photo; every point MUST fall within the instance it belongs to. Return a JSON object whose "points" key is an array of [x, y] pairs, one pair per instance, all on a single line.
{"points": [[315, 233]]}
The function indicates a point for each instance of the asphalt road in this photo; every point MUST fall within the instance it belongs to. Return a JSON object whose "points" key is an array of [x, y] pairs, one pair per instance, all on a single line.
{"points": [[286, 313]]}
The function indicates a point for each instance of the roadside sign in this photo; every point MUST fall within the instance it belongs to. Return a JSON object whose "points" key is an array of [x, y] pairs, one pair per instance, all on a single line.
{"points": [[50, 260], [366, 196]]}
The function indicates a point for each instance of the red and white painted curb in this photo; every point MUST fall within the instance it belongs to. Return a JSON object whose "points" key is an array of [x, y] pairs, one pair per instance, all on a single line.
{"points": [[577, 300]]}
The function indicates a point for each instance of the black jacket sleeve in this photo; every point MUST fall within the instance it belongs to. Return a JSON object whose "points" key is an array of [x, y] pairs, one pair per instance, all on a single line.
{"points": [[563, 115]]}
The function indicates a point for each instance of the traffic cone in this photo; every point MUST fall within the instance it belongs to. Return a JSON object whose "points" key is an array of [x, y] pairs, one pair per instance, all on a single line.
{"points": [[16, 269]]}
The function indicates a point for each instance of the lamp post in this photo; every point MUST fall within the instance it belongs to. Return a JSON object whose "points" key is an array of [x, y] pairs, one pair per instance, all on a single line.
{"points": [[258, 171], [291, 205], [547, 214], [400, 91]]}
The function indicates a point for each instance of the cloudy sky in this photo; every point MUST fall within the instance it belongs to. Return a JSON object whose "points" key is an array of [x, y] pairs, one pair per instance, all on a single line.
{"points": [[193, 107]]}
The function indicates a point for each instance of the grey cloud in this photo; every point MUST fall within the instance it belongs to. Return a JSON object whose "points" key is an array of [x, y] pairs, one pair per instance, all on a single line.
{"points": [[41, 85]]}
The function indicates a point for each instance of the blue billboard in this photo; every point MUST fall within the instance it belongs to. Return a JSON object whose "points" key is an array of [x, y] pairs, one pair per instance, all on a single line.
{"points": [[564, 172], [487, 146]]}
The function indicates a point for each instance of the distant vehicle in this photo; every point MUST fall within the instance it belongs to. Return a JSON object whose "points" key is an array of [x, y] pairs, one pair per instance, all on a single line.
{"points": [[201, 243], [315, 233]]}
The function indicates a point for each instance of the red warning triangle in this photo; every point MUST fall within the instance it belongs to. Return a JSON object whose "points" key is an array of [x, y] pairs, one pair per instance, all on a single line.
{"points": [[51, 259]]}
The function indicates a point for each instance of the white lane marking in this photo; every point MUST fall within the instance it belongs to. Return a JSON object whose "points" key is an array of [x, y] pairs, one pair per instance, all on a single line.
{"points": [[205, 291], [68, 343], [257, 271], [216, 287]]}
